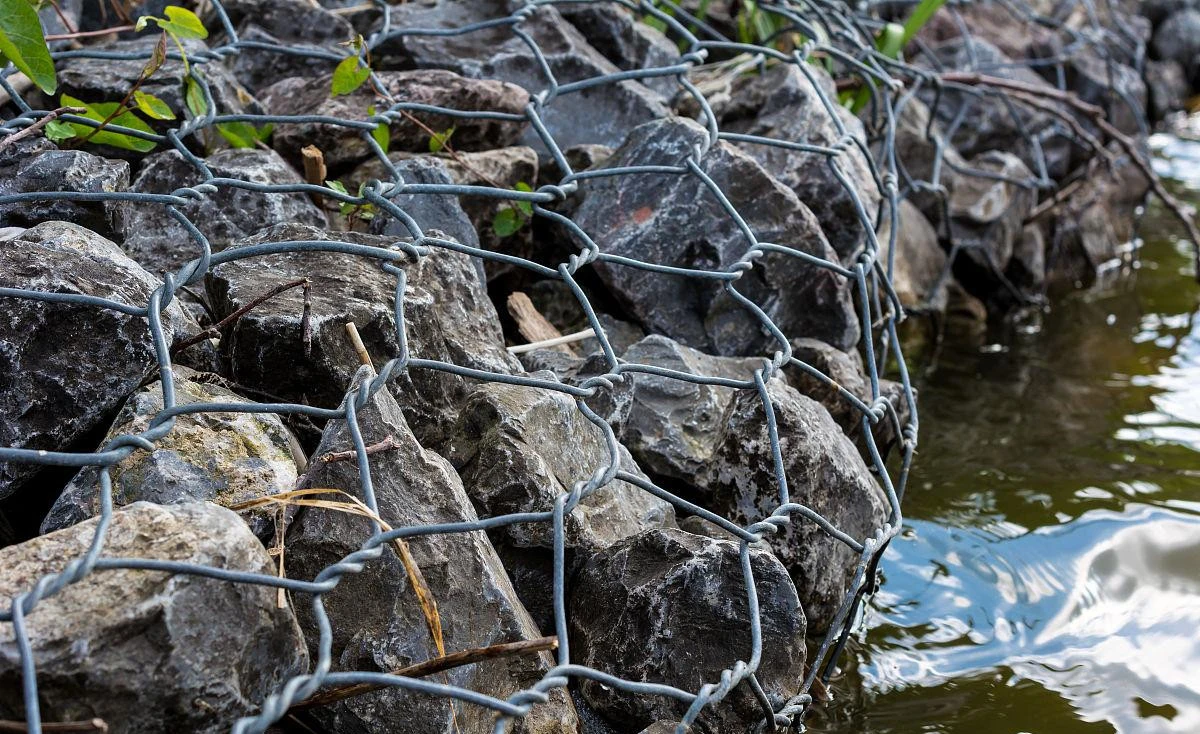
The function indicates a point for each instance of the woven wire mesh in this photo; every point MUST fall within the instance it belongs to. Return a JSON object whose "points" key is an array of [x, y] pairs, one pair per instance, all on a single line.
{"points": [[830, 30]]}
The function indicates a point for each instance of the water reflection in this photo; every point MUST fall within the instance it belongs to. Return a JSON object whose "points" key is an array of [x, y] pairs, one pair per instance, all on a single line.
{"points": [[1048, 579]]}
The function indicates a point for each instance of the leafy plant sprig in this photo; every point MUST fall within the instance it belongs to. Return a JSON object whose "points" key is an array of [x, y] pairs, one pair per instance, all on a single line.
{"points": [[351, 210], [513, 215], [23, 42], [353, 71]]}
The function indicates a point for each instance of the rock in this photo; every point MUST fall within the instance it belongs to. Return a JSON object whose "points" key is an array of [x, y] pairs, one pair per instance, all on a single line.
{"points": [[672, 219], [1168, 87], [625, 41], [670, 607], [36, 164], [987, 216], [108, 80], [503, 168], [225, 458], [919, 273], [343, 146], [1015, 32], [519, 448], [1027, 268], [296, 24], [612, 404], [151, 652], [69, 367], [792, 112], [1114, 87], [447, 312], [825, 473], [1178, 37], [844, 368], [673, 426], [555, 300], [989, 123], [600, 115], [376, 621], [927, 164], [160, 243]]}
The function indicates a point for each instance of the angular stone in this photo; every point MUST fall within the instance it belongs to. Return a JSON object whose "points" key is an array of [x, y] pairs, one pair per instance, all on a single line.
{"points": [[1168, 87], [436, 87], [1178, 38], [670, 607], [519, 448], [927, 164], [673, 219], [987, 216], [36, 164], [627, 42], [824, 472], [612, 404], [145, 651], [67, 367], [160, 243], [919, 273], [792, 112], [447, 312], [224, 457], [601, 115], [377, 622], [294, 24]]}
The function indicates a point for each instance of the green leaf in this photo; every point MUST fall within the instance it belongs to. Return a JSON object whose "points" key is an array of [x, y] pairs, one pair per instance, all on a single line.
{"points": [[152, 106], [337, 186], [193, 97], [243, 134], [100, 112], [58, 131], [890, 40], [525, 207], [439, 140], [382, 133], [183, 22], [506, 222], [157, 57], [348, 77], [23, 42], [920, 16]]}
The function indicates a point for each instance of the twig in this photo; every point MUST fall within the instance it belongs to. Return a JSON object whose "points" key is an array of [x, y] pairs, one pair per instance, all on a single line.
{"points": [[215, 329], [436, 665], [352, 455], [532, 324], [63, 726], [39, 124], [88, 34], [359, 347], [576, 337]]}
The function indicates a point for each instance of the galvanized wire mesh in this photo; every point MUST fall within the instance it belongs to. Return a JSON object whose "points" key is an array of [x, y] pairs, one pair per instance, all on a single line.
{"points": [[831, 30]]}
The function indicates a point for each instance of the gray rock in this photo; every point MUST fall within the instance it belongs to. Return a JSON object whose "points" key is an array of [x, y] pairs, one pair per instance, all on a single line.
{"points": [[672, 219], [600, 115], [927, 164], [376, 620], [343, 146], [1114, 87], [1178, 38], [293, 23], [519, 448], [628, 43], [223, 457], [36, 164], [447, 311], [792, 112], [151, 652], [1168, 87], [987, 216], [160, 243], [990, 123], [69, 367], [612, 404], [919, 273], [670, 607], [1027, 268], [673, 426], [825, 473], [109, 80]]}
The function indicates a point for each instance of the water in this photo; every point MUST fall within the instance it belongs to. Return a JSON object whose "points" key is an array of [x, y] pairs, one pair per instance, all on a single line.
{"points": [[1048, 577]]}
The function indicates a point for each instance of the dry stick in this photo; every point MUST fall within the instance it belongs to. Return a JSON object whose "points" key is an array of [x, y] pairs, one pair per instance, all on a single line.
{"points": [[532, 324], [38, 125], [51, 727], [352, 454], [215, 329], [88, 34], [314, 170], [359, 347], [578, 336], [1097, 115], [436, 665]]}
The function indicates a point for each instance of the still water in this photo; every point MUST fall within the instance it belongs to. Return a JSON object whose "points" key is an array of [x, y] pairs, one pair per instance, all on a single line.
{"points": [[1048, 576]]}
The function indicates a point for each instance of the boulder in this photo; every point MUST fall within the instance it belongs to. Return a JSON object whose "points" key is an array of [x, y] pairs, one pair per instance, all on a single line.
{"points": [[670, 607], [1168, 87], [927, 164], [220, 457], [160, 243], [343, 146], [145, 651], [625, 41], [919, 272], [68, 367], [1178, 38], [600, 115], [36, 164], [377, 622], [447, 312], [519, 448], [792, 112], [673, 219], [824, 472], [295, 24]]}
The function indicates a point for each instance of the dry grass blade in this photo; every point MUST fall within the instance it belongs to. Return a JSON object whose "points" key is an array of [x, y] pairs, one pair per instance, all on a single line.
{"points": [[51, 727]]}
